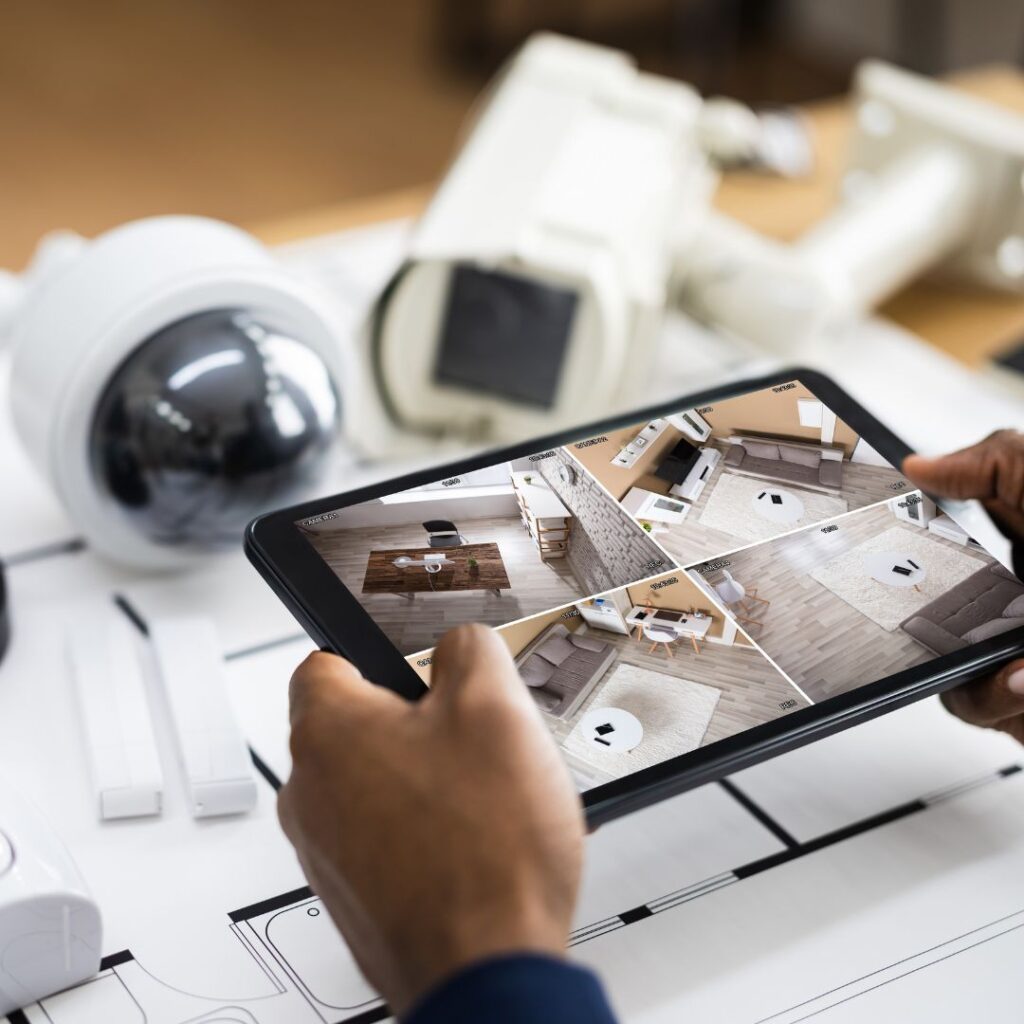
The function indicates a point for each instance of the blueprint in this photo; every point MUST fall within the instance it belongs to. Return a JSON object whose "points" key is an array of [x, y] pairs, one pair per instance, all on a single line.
{"points": [[874, 875]]}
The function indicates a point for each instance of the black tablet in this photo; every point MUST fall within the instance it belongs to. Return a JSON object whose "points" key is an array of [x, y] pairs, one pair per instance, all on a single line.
{"points": [[685, 590]]}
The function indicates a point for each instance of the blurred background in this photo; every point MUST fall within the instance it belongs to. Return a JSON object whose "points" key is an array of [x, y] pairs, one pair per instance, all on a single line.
{"points": [[249, 109]]}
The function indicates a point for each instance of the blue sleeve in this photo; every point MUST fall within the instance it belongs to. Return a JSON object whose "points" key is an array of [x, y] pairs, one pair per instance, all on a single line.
{"points": [[521, 989]]}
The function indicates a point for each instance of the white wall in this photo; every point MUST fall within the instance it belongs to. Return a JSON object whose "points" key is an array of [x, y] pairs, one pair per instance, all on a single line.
{"points": [[449, 506], [488, 477], [867, 456]]}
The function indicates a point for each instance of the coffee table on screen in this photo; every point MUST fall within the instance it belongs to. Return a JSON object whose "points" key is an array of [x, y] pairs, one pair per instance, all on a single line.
{"points": [[777, 505], [612, 729], [455, 574], [895, 569]]}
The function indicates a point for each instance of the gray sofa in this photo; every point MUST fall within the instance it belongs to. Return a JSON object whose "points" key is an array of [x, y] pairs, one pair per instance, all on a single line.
{"points": [[561, 668], [787, 461], [988, 603]]}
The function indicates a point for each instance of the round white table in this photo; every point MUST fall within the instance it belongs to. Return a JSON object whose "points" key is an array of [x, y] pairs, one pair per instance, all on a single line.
{"points": [[611, 729], [895, 568], [777, 505]]}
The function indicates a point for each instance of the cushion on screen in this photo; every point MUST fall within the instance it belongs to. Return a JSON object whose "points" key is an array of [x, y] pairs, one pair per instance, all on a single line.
{"points": [[555, 649], [761, 450], [535, 671], [987, 630], [586, 643], [799, 456], [1015, 609]]}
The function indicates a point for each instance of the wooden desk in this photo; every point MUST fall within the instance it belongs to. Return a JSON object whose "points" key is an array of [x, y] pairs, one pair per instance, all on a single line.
{"points": [[682, 623], [384, 577], [969, 323]]}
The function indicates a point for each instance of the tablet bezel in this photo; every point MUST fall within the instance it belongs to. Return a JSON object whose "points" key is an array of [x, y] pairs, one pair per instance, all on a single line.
{"points": [[334, 618]]}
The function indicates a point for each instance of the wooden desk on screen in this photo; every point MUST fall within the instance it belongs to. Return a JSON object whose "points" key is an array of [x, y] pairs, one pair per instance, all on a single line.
{"points": [[384, 577]]}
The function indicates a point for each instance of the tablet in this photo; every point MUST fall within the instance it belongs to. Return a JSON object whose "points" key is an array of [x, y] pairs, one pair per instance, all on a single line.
{"points": [[685, 590]]}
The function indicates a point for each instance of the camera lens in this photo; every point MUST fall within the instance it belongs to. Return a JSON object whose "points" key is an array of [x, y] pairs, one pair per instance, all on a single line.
{"points": [[212, 420]]}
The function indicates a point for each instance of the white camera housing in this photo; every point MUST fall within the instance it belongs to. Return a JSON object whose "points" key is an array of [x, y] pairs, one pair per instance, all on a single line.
{"points": [[50, 928], [577, 182], [82, 316], [934, 181]]}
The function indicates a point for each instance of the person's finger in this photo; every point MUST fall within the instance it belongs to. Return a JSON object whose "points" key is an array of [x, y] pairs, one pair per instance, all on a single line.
{"points": [[473, 661], [319, 676], [991, 471], [991, 700]]}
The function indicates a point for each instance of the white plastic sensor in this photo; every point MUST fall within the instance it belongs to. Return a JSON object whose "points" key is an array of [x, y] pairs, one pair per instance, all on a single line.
{"points": [[50, 929], [124, 763], [214, 756]]}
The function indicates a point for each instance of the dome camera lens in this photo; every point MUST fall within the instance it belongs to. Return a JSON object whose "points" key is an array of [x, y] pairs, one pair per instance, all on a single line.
{"points": [[210, 421]]}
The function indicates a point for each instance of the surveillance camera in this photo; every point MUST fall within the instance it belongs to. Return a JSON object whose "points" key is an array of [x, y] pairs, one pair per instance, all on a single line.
{"points": [[172, 380], [535, 282]]}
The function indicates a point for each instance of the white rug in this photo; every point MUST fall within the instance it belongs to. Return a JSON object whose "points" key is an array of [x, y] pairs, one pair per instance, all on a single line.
{"points": [[730, 508], [848, 577], [675, 714]]}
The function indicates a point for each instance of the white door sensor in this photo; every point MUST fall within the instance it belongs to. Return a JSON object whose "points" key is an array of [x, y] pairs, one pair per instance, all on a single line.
{"points": [[214, 756], [123, 761]]}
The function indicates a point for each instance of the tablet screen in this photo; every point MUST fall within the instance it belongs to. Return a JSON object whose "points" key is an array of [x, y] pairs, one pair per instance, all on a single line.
{"points": [[677, 581]]}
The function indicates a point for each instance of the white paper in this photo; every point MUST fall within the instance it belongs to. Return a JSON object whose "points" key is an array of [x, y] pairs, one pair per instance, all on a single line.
{"points": [[727, 916]]}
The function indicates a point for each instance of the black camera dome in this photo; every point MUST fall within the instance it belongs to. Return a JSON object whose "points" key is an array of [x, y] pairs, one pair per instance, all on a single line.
{"points": [[212, 420]]}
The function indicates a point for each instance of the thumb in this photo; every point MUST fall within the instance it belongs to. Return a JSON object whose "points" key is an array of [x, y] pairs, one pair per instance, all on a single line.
{"points": [[992, 700], [324, 682], [472, 662], [992, 470], [962, 474]]}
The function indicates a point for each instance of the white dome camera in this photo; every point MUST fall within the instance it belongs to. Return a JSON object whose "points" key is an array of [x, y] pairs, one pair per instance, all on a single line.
{"points": [[171, 380]]}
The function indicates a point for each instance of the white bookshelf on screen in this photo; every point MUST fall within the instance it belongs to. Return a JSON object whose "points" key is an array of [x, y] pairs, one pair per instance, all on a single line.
{"points": [[544, 516], [640, 443]]}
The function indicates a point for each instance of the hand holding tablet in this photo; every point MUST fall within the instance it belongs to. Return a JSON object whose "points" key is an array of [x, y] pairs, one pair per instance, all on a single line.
{"points": [[564, 547], [992, 472], [489, 856]]}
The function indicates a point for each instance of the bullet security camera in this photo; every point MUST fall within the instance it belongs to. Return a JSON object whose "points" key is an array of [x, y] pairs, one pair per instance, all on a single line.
{"points": [[171, 380], [534, 284], [578, 209]]}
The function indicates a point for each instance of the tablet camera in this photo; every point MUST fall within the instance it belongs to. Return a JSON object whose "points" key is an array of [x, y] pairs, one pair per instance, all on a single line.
{"points": [[212, 420]]}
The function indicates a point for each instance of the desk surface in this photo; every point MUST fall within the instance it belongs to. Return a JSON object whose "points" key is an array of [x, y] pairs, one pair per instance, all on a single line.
{"points": [[384, 577], [969, 323], [682, 622]]}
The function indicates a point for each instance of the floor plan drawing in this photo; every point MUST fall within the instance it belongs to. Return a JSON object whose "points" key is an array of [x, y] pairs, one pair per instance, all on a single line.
{"points": [[308, 975]]}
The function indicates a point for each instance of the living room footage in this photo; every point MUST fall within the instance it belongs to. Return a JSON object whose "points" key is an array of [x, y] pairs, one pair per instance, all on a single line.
{"points": [[640, 674], [709, 480], [492, 546], [866, 595]]}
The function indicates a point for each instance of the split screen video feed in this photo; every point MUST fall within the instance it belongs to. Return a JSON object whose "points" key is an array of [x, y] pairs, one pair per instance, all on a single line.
{"points": [[677, 581]]}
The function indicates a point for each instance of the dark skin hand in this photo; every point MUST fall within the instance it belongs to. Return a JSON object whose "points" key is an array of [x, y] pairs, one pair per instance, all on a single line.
{"points": [[436, 833], [993, 472]]}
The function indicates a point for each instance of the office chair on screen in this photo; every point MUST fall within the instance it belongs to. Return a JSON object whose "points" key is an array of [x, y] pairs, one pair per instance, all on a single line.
{"points": [[443, 534]]}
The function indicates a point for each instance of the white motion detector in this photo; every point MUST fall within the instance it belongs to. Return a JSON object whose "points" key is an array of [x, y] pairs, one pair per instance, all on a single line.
{"points": [[50, 929], [171, 380]]}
